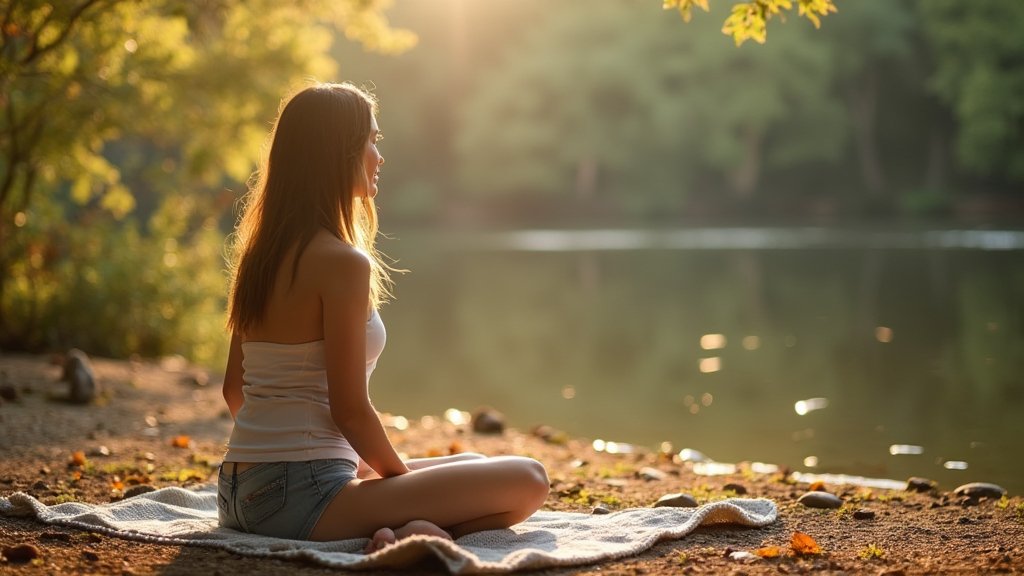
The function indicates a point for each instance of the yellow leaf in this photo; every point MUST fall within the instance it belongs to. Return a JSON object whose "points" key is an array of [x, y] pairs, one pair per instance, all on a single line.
{"points": [[769, 552], [802, 544]]}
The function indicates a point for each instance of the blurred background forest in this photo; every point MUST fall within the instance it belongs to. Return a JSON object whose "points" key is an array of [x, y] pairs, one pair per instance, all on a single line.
{"points": [[128, 131]]}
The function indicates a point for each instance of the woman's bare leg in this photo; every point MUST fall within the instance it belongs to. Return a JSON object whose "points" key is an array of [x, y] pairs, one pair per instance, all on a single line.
{"points": [[464, 496]]}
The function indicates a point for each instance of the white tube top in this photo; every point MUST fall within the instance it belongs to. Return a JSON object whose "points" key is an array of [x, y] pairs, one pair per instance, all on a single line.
{"points": [[286, 414]]}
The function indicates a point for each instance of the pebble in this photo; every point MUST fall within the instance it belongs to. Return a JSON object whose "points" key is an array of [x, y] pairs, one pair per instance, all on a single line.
{"points": [[8, 392], [601, 509], [980, 490], [61, 536], [739, 489], [820, 500], [691, 455], [40, 485], [79, 374], [648, 473], [90, 555], [676, 501], [864, 514], [488, 421], [21, 553], [100, 451], [918, 484], [137, 490]]}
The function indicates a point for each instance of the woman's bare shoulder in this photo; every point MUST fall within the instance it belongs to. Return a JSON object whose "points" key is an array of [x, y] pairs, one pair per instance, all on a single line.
{"points": [[331, 259]]}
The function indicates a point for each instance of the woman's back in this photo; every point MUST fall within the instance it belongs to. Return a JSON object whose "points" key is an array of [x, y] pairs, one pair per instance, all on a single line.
{"points": [[294, 310]]}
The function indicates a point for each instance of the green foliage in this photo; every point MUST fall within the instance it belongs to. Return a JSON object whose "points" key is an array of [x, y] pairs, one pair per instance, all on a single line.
{"points": [[623, 112], [114, 108], [749, 20], [978, 51]]}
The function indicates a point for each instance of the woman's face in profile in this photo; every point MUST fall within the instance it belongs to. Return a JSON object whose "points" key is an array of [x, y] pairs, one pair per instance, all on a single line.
{"points": [[372, 161]]}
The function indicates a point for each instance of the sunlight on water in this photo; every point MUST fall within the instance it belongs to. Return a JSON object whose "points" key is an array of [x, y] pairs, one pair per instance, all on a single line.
{"points": [[748, 239], [810, 405]]}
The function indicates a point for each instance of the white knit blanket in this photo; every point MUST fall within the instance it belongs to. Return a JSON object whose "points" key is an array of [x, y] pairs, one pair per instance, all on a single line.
{"points": [[547, 539]]}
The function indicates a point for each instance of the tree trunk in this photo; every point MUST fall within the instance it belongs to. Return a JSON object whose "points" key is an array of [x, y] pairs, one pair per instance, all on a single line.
{"points": [[864, 108], [747, 175]]}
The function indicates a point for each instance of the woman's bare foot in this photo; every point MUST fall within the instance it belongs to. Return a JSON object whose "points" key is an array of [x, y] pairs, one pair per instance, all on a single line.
{"points": [[387, 536], [381, 538]]}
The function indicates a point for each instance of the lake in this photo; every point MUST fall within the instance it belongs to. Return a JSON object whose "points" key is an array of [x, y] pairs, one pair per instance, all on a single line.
{"points": [[877, 353]]}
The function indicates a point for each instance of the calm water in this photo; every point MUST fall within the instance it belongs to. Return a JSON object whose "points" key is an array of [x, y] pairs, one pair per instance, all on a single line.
{"points": [[708, 339]]}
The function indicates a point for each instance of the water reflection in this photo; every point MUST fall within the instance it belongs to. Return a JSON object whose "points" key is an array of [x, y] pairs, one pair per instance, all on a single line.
{"points": [[639, 345]]}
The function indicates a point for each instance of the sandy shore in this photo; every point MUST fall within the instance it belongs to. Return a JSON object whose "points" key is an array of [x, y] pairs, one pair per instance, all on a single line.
{"points": [[163, 423]]}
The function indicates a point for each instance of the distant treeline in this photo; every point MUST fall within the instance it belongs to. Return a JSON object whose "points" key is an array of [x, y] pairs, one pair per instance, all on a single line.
{"points": [[531, 111]]}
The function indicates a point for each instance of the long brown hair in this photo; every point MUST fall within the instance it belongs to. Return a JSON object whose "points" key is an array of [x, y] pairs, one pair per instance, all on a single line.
{"points": [[306, 183]]}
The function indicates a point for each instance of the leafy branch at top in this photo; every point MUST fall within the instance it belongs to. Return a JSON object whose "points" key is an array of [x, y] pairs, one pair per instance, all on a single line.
{"points": [[749, 20]]}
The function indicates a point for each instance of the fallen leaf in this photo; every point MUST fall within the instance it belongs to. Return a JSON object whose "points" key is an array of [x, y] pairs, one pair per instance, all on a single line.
{"points": [[818, 486], [802, 544], [769, 552], [181, 441], [455, 447], [78, 458], [117, 485]]}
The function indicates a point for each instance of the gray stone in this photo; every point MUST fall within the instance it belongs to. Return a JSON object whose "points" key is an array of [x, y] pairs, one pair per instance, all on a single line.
{"points": [[676, 501], [820, 500], [488, 421], [138, 490], [8, 392], [917, 484], [601, 509], [739, 489], [691, 455], [79, 374], [864, 514], [648, 473], [980, 490]]}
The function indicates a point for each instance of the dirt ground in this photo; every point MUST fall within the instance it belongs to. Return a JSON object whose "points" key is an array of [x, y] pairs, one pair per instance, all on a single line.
{"points": [[163, 423]]}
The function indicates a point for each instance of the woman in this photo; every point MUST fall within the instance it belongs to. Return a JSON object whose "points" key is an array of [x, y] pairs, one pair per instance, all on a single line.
{"points": [[308, 457]]}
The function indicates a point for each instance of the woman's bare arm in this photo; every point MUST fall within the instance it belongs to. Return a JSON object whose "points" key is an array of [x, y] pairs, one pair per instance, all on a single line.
{"points": [[233, 376], [345, 294]]}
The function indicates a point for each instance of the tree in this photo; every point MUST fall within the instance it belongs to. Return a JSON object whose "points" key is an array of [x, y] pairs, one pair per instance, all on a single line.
{"points": [[749, 20], [590, 109], [97, 93], [977, 53]]}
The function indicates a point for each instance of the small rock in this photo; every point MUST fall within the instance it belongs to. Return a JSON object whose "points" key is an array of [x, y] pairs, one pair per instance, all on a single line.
{"points": [[741, 555], [196, 379], [137, 490], [820, 500], [601, 509], [90, 555], [550, 435], [980, 490], [676, 501], [21, 553], [100, 451], [59, 536], [917, 484], [864, 514], [893, 572], [8, 392], [488, 421], [44, 470], [691, 455], [40, 485], [651, 474], [739, 489], [964, 520], [617, 482], [79, 374]]}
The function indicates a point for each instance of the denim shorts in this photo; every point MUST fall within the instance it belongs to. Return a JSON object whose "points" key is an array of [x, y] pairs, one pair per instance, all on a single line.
{"points": [[281, 499]]}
